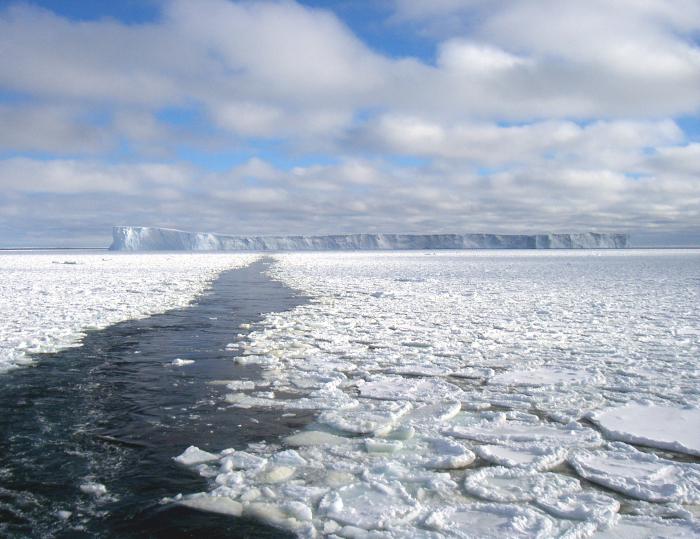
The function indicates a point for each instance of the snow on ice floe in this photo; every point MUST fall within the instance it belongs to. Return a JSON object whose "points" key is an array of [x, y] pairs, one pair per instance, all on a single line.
{"points": [[531, 456], [456, 379], [589, 506], [491, 521], [548, 376], [639, 475], [194, 455], [666, 427], [499, 484], [368, 418], [628, 527], [499, 429], [47, 306], [409, 389], [369, 506]]}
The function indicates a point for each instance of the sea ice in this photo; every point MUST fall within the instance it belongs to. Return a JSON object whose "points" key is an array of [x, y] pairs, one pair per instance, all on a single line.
{"points": [[530, 456], [548, 376], [588, 506], [639, 475], [409, 389], [499, 484], [628, 527], [194, 455], [179, 362], [369, 417], [500, 430], [369, 506], [46, 306], [315, 437], [96, 489], [213, 504], [666, 427], [491, 521]]}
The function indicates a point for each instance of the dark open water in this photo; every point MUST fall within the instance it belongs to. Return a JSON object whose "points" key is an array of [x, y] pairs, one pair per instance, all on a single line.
{"points": [[114, 412]]}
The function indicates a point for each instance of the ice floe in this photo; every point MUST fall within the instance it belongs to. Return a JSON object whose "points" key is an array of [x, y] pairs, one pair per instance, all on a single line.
{"points": [[491, 521], [639, 475], [367, 418], [369, 506], [500, 484], [179, 362], [498, 429], [534, 457], [547, 376], [628, 527], [95, 489], [666, 427], [409, 389], [587, 506], [194, 455]]}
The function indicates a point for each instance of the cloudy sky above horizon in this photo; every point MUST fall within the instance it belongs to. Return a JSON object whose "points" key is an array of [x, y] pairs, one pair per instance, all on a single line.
{"points": [[314, 117]]}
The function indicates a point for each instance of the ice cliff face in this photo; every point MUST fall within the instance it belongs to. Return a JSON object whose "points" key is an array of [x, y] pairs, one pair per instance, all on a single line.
{"points": [[136, 238]]}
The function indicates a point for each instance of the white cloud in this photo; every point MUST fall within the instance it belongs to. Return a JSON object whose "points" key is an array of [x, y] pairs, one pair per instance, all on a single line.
{"points": [[278, 68], [50, 128], [473, 59], [535, 115], [616, 144], [599, 57], [61, 176]]}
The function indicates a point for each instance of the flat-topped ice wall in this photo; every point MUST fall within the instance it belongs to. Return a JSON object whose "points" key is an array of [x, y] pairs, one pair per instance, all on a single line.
{"points": [[138, 238]]}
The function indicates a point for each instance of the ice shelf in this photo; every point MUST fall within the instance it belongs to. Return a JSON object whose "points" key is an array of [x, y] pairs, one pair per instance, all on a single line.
{"points": [[138, 238]]}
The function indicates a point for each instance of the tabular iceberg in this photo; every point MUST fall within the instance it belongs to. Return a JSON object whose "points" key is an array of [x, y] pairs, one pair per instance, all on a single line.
{"points": [[138, 238]]}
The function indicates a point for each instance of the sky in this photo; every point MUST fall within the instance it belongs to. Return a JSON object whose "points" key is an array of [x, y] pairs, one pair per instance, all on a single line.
{"points": [[314, 117]]}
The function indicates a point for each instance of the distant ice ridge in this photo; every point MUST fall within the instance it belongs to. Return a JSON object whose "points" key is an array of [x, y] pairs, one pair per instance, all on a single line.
{"points": [[138, 238]]}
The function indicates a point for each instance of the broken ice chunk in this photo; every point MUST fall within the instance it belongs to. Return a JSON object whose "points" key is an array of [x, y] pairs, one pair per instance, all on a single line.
{"points": [[193, 455], [370, 417], [179, 362], [409, 389], [502, 431], [532, 456], [491, 521], [639, 475], [666, 427], [587, 506], [548, 376], [369, 505], [500, 484], [628, 527]]}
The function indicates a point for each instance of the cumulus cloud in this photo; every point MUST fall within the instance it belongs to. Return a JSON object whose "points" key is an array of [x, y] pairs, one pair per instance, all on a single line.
{"points": [[23, 175], [51, 128], [618, 144]]}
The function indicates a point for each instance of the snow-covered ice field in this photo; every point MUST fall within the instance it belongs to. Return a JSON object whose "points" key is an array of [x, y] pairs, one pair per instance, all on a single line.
{"points": [[48, 300], [474, 394], [455, 394]]}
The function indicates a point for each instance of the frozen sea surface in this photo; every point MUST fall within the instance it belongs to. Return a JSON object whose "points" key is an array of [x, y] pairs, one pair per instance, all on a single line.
{"points": [[474, 394], [48, 300]]}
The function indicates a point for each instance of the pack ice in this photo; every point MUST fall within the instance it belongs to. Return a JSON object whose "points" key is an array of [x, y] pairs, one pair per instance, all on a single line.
{"points": [[473, 394], [49, 300]]}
